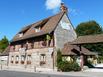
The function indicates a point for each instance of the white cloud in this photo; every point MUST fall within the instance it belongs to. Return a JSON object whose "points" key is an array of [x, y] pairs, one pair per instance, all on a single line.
{"points": [[73, 11], [52, 4]]}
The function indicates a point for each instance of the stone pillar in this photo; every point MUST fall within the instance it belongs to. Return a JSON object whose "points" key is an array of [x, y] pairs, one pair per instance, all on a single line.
{"points": [[14, 60], [81, 57], [36, 59], [55, 58], [9, 59], [19, 60], [25, 61], [49, 60]]}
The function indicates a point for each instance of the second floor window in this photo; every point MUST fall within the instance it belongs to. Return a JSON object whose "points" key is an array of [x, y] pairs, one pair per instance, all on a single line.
{"points": [[20, 34], [37, 29]]}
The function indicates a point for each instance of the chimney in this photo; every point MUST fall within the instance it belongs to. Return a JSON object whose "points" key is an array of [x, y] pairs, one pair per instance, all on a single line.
{"points": [[63, 8]]}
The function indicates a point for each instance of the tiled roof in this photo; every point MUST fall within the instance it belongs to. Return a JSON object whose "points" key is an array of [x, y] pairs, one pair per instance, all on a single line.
{"points": [[49, 24], [74, 50], [89, 39]]}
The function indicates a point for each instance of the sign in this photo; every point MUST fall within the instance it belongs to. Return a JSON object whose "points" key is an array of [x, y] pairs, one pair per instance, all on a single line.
{"points": [[3, 58], [65, 25]]}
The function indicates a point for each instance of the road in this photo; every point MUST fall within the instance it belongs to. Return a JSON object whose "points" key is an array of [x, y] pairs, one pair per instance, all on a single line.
{"points": [[25, 74]]}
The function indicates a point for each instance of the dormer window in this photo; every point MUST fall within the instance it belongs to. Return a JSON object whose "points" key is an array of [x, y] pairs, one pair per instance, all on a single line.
{"points": [[37, 29], [20, 34]]}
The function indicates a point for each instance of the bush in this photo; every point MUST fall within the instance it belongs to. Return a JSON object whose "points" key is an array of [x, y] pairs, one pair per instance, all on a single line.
{"points": [[66, 66], [75, 66], [100, 59], [59, 58]]}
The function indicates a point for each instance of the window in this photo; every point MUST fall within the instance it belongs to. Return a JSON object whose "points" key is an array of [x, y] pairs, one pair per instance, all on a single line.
{"points": [[17, 60], [42, 59], [22, 59], [20, 34], [12, 59], [37, 29], [29, 59]]}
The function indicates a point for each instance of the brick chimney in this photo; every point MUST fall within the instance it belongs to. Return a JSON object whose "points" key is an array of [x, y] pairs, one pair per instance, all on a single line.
{"points": [[63, 8]]}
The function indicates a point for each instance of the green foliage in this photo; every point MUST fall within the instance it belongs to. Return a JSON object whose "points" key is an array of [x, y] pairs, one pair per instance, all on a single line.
{"points": [[59, 57], [66, 66], [100, 59], [90, 28], [98, 48], [48, 37], [3, 43]]}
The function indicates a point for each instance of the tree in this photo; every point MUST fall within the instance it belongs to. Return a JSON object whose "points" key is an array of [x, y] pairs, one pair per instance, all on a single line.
{"points": [[90, 28], [59, 57], [3, 44]]}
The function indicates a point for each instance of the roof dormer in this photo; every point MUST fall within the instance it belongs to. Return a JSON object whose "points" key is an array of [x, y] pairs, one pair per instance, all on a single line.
{"points": [[37, 29]]}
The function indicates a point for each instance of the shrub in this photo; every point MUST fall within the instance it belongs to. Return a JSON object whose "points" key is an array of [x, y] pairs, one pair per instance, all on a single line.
{"points": [[100, 59], [59, 58], [66, 66], [75, 66]]}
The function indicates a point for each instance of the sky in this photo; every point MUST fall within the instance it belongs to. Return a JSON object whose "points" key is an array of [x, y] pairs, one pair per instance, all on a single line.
{"points": [[15, 14]]}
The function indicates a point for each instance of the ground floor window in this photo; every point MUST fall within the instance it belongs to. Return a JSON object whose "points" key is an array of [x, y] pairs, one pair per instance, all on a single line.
{"points": [[42, 59], [29, 59], [17, 59], [12, 59], [22, 59]]}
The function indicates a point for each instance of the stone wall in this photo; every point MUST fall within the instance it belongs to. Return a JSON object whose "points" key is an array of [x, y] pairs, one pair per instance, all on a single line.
{"points": [[62, 35], [36, 58]]}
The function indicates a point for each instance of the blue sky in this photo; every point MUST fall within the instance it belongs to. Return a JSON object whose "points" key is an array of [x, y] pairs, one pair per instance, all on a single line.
{"points": [[15, 14]]}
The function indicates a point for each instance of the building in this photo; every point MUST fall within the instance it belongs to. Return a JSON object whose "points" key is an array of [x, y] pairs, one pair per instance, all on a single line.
{"points": [[37, 44], [79, 54], [4, 57]]}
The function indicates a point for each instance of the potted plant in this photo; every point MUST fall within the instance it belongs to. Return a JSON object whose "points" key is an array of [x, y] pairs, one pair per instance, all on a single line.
{"points": [[28, 62], [42, 63], [16, 62], [11, 61], [22, 62], [48, 38]]}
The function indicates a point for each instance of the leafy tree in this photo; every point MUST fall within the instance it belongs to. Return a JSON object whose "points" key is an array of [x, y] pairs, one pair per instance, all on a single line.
{"points": [[3, 44], [90, 28]]}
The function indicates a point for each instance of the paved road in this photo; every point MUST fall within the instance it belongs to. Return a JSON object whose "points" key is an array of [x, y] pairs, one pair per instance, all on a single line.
{"points": [[23, 74]]}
